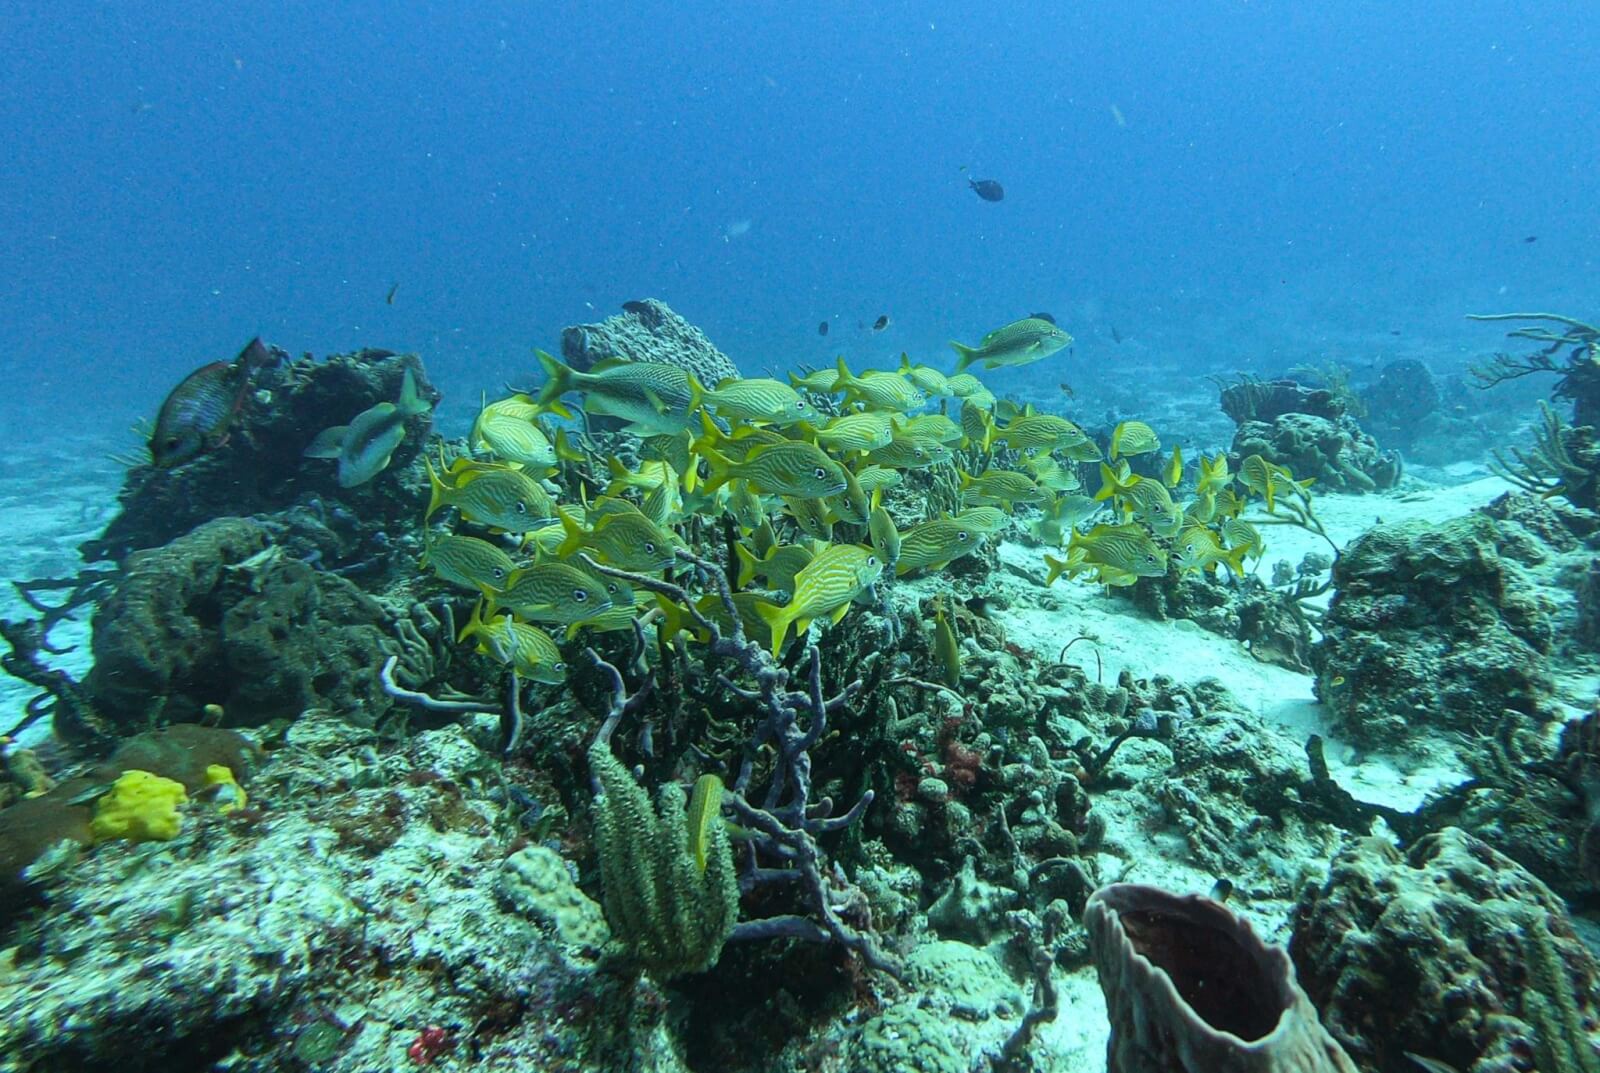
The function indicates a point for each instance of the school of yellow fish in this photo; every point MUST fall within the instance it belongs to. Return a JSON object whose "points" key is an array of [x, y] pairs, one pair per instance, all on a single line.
{"points": [[802, 484]]}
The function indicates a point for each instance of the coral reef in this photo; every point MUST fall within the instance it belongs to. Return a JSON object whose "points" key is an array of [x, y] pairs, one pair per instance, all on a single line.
{"points": [[1190, 987], [1448, 950], [1310, 430], [1337, 453], [67, 811], [1432, 627], [337, 936], [646, 330], [222, 616], [260, 469], [1562, 338]]}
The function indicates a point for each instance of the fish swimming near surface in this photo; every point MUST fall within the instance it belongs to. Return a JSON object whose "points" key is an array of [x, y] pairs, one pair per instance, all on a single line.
{"points": [[822, 328], [197, 415], [364, 446], [881, 323], [1021, 342], [988, 189]]}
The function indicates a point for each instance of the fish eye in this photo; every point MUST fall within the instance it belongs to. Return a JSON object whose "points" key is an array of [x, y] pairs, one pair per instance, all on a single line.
{"points": [[821, 473], [650, 547], [963, 536], [561, 666], [872, 560], [520, 507], [497, 573], [581, 595]]}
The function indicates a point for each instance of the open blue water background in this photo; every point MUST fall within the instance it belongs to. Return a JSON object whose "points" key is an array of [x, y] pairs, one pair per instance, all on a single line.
{"points": [[1287, 181]]}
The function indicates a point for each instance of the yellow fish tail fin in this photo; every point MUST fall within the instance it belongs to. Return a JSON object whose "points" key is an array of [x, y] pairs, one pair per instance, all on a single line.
{"points": [[564, 449], [474, 623], [575, 534], [1235, 558], [747, 563], [777, 620], [438, 491], [718, 469], [1110, 483], [844, 375], [697, 395], [965, 355], [558, 378], [1057, 568]]}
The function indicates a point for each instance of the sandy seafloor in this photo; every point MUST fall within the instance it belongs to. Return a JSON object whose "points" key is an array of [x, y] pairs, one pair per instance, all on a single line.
{"points": [[55, 497]]}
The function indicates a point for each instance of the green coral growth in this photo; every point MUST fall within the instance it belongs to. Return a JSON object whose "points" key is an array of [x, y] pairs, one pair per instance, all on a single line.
{"points": [[670, 916]]}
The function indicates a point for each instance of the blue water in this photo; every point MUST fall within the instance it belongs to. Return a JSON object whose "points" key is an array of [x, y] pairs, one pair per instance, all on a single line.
{"points": [[1285, 181]]}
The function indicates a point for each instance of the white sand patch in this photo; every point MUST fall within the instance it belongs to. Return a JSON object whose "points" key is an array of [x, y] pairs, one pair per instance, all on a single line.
{"points": [[1127, 639], [53, 499]]}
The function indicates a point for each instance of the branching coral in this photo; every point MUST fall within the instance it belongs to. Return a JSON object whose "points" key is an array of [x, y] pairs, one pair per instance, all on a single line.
{"points": [[1562, 462], [1579, 374]]}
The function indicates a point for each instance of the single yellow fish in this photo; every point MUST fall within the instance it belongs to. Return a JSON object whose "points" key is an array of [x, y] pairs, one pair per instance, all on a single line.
{"points": [[838, 574], [885, 391], [466, 561], [1133, 438], [494, 496], [934, 544], [526, 649], [1021, 342], [552, 592]]}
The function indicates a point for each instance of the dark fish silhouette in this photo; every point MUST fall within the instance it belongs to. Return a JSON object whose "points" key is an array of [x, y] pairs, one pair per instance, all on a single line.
{"points": [[388, 299], [1531, 238], [987, 189], [822, 329], [196, 416], [1042, 316], [881, 323], [1116, 336]]}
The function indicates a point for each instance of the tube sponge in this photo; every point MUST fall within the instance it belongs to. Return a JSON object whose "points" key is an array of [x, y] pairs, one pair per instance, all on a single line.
{"points": [[1190, 987], [141, 807]]}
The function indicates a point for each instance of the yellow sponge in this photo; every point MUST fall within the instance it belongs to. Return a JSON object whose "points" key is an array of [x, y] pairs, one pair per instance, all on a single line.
{"points": [[140, 807]]}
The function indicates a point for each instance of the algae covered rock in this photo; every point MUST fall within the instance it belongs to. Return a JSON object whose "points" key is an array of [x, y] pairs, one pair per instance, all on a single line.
{"points": [[908, 1037], [1432, 627], [221, 616], [1449, 950], [534, 883]]}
